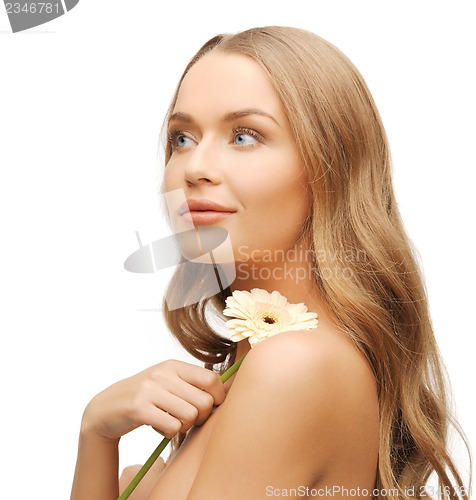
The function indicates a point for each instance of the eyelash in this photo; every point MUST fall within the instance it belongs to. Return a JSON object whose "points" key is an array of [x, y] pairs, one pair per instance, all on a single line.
{"points": [[174, 134], [247, 131]]}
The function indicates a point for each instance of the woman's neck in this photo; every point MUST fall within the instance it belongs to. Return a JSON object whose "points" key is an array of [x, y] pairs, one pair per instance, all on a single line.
{"points": [[292, 276]]}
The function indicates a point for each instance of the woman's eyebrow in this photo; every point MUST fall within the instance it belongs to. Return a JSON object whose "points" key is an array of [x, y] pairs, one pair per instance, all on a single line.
{"points": [[227, 117], [233, 115], [180, 117]]}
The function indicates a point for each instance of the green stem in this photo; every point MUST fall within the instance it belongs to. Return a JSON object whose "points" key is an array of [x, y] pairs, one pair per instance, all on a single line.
{"points": [[232, 370], [144, 469], [156, 453]]}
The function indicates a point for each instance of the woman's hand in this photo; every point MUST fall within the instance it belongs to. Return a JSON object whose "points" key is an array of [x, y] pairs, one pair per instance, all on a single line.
{"points": [[171, 397]]}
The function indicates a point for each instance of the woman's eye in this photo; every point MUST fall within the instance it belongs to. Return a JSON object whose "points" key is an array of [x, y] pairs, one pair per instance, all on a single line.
{"points": [[245, 137], [178, 140], [245, 140], [182, 141]]}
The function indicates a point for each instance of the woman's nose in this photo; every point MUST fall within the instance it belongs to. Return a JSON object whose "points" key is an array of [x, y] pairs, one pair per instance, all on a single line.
{"points": [[203, 165]]}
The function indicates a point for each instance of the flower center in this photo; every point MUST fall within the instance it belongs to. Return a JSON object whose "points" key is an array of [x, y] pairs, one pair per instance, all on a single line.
{"points": [[269, 319]]}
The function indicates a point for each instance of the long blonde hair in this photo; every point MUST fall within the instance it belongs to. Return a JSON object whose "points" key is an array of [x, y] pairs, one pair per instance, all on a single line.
{"points": [[375, 291]]}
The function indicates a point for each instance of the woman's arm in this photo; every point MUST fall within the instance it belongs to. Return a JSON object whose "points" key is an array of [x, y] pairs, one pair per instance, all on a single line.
{"points": [[96, 474], [170, 397], [98, 461], [302, 411]]}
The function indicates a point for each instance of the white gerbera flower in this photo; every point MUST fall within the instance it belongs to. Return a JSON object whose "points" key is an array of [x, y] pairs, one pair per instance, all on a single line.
{"points": [[259, 314]]}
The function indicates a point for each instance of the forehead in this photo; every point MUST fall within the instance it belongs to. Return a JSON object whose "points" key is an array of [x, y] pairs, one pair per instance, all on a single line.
{"points": [[223, 82]]}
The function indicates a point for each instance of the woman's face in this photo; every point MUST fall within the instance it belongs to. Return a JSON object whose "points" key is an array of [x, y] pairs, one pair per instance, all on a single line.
{"points": [[232, 145]]}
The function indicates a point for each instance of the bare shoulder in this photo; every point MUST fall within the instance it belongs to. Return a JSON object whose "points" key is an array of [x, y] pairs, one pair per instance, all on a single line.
{"points": [[302, 402], [320, 365], [323, 352]]}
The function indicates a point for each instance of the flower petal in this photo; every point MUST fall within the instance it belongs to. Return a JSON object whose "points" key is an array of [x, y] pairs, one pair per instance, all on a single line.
{"points": [[259, 314]]}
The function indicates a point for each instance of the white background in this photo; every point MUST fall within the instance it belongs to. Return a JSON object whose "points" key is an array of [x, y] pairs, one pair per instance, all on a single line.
{"points": [[82, 100]]}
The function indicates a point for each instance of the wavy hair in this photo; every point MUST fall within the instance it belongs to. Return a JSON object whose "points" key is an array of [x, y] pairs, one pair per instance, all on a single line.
{"points": [[382, 303]]}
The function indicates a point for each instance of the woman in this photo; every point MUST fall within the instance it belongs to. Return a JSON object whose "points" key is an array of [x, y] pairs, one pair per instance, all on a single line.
{"points": [[278, 128]]}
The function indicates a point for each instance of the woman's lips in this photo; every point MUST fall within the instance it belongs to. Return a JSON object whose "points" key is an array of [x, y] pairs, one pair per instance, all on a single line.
{"points": [[204, 217], [203, 212]]}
